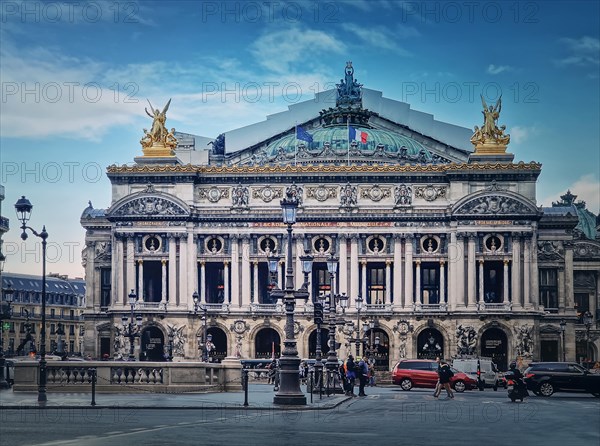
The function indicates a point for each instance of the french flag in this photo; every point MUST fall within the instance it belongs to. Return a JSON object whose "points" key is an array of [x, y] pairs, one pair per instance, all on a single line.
{"points": [[358, 135]]}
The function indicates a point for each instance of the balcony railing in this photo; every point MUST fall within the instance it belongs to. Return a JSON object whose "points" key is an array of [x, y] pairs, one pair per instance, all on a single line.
{"points": [[269, 308], [486, 306], [431, 307]]}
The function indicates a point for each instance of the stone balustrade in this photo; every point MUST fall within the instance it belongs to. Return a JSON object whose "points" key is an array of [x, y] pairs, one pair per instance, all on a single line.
{"points": [[127, 377]]}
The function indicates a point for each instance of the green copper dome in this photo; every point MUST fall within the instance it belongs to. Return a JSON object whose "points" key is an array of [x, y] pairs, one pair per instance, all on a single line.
{"points": [[330, 145]]}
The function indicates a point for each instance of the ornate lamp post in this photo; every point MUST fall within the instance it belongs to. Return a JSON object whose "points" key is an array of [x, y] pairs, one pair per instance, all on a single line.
{"points": [[289, 392], [5, 313], [23, 207], [588, 320], [131, 329], [563, 327], [358, 340], [318, 316], [205, 344], [373, 342]]}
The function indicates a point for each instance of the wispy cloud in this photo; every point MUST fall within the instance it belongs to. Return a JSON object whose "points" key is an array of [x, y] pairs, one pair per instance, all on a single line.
{"points": [[584, 51], [520, 134], [381, 37], [497, 69], [278, 50]]}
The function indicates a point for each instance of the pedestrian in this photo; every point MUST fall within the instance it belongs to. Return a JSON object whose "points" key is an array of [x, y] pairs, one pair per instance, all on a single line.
{"points": [[350, 369], [363, 376], [437, 384], [371, 375], [445, 373]]}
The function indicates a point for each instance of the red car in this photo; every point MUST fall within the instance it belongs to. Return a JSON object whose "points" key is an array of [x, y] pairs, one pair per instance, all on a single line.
{"points": [[411, 373]]}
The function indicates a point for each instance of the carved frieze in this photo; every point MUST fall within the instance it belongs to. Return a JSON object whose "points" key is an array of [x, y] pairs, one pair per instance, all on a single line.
{"points": [[296, 192], [586, 250], [375, 193], [430, 193], [348, 196], [149, 206], [403, 195], [267, 193], [240, 196], [494, 205], [213, 194], [321, 193], [548, 250], [102, 251]]}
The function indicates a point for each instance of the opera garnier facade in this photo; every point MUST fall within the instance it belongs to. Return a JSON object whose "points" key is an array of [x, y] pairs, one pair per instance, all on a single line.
{"points": [[435, 227]]}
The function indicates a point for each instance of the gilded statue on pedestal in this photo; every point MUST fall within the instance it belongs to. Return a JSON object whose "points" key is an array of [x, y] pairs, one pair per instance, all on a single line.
{"points": [[490, 133], [158, 136]]}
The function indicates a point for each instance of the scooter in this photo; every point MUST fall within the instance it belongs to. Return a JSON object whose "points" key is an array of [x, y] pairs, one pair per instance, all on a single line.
{"points": [[517, 389]]}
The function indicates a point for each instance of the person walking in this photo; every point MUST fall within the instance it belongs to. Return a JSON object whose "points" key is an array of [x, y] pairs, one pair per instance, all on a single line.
{"points": [[445, 373], [363, 376], [350, 375], [437, 385]]}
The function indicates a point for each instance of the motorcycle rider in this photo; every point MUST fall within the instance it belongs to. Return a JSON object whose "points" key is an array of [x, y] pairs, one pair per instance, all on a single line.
{"points": [[520, 385]]}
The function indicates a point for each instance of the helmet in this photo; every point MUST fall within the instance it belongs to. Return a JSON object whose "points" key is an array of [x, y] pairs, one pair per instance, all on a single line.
{"points": [[513, 365]]}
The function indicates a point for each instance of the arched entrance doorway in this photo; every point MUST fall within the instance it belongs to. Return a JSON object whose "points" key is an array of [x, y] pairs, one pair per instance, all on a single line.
{"points": [[377, 348], [494, 344], [312, 343], [430, 344], [152, 344], [219, 339], [267, 344]]}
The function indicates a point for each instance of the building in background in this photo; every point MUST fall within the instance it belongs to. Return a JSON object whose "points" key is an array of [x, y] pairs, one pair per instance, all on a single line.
{"points": [[65, 302], [435, 227]]}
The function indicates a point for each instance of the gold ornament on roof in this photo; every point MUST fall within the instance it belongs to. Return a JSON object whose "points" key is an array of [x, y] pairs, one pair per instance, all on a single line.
{"points": [[490, 139], [158, 141]]}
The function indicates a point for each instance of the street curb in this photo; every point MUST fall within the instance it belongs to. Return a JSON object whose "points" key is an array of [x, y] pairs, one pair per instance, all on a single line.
{"points": [[239, 406]]}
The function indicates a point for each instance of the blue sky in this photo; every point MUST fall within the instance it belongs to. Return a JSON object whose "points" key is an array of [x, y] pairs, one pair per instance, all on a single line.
{"points": [[75, 78]]}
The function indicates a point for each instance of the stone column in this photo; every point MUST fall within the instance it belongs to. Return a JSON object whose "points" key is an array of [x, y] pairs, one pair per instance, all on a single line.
{"points": [[569, 294], [471, 275], [343, 270], [183, 271], [442, 281], [140, 292], [130, 262], [398, 300], [452, 270], [418, 297], [120, 270], [202, 284], [388, 282], [516, 272], [172, 296], [163, 290], [192, 271], [527, 273], [408, 274], [364, 279], [460, 271], [235, 273], [506, 300], [562, 288], [226, 294], [281, 274], [255, 274], [115, 298], [535, 282], [246, 291], [481, 284], [354, 268]]}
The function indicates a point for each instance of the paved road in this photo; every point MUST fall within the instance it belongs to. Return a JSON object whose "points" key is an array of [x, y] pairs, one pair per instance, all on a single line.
{"points": [[388, 416]]}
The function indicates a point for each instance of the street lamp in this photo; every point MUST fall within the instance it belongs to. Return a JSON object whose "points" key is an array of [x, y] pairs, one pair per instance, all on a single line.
{"points": [[563, 327], [357, 340], [23, 208], [332, 358], [289, 392], [130, 329], [588, 320], [318, 308], [5, 313], [205, 344]]}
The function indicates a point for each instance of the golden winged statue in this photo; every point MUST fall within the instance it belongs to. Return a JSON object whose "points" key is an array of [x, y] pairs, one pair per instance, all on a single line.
{"points": [[158, 136], [490, 133]]}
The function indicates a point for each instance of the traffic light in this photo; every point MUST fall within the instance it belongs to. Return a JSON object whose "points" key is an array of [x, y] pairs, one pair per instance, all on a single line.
{"points": [[318, 313]]}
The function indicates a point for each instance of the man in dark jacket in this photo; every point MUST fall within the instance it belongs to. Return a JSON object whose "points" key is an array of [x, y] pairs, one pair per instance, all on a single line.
{"points": [[362, 371], [445, 373]]}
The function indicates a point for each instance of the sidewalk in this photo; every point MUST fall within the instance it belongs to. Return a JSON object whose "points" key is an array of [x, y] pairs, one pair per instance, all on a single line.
{"points": [[260, 397]]}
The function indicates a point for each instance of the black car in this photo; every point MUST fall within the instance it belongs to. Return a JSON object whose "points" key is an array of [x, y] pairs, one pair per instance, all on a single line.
{"points": [[545, 378]]}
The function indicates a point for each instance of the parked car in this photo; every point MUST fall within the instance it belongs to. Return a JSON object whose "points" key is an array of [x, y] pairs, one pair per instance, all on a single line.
{"points": [[489, 373], [545, 378], [411, 373]]}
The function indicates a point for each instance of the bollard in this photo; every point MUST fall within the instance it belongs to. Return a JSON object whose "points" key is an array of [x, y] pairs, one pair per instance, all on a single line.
{"points": [[245, 384], [92, 372]]}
